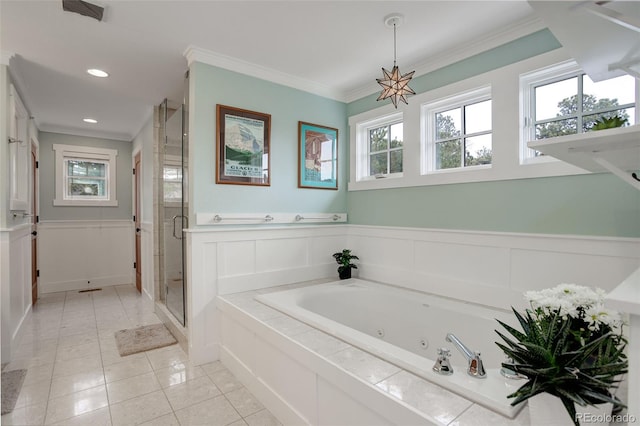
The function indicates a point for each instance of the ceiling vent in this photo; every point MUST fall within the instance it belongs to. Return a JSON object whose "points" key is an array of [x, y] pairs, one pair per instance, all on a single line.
{"points": [[83, 8]]}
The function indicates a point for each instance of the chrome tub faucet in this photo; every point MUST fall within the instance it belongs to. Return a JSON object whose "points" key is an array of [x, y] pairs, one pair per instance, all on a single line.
{"points": [[476, 368]]}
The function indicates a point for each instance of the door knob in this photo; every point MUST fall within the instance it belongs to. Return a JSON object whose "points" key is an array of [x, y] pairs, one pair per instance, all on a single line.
{"points": [[34, 233]]}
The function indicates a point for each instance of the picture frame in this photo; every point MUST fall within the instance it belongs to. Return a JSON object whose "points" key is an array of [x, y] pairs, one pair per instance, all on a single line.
{"points": [[317, 156], [243, 146]]}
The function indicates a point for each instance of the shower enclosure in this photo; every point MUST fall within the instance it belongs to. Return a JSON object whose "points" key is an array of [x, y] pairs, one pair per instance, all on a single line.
{"points": [[173, 208]]}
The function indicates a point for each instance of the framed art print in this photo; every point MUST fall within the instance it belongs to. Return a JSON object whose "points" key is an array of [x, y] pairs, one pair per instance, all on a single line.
{"points": [[243, 146], [317, 156]]}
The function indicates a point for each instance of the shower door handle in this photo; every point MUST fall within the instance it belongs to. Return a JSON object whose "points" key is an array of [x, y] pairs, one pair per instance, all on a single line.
{"points": [[179, 237]]}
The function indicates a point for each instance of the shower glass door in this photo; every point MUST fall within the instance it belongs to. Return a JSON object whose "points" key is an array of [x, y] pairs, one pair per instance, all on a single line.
{"points": [[175, 210]]}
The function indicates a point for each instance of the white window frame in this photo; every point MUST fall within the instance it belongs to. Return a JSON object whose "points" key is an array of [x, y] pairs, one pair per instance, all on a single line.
{"points": [[528, 82], [428, 113], [362, 145], [174, 161], [64, 153]]}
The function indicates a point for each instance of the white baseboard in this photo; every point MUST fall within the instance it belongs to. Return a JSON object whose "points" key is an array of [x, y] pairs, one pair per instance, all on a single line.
{"points": [[83, 285]]}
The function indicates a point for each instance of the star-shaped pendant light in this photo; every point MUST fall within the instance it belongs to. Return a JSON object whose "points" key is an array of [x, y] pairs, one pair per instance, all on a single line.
{"points": [[395, 85]]}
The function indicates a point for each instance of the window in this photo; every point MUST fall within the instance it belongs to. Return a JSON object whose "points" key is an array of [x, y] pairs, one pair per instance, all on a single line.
{"points": [[458, 132], [173, 180], [380, 146], [85, 176], [561, 100]]}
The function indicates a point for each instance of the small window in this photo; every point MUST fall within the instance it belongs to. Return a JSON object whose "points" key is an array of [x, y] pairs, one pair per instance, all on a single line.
{"points": [[85, 176], [380, 147], [562, 100], [172, 184], [385, 149], [458, 132], [173, 180]]}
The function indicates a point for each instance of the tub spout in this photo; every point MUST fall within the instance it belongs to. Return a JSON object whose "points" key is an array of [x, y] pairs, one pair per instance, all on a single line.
{"points": [[476, 368]]}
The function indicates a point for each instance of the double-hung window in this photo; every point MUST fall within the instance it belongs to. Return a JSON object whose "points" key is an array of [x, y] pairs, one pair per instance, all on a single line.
{"points": [[380, 147], [562, 100], [85, 176], [457, 132]]}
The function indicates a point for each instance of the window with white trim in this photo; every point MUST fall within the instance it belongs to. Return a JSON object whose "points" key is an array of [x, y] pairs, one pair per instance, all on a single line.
{"points": [[562, 100], [379, 145], [85, 176], [173, 181], [457, 132]]}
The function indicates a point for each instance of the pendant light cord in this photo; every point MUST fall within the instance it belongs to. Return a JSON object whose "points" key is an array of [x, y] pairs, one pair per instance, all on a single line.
{"points": [[394, 44]]}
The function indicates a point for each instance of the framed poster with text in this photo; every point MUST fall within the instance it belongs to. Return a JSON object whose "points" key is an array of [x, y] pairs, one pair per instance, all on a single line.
{"points": [[242, 145]]}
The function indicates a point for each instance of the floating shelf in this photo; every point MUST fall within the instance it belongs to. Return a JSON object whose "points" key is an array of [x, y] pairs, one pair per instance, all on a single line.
{"points": [[612, 150]]}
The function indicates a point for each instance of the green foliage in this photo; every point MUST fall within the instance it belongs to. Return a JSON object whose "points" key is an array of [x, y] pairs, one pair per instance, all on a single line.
{"points": [[449, 153], [379, 142], [609, 123], [566, 125], [344, 259], [555, 360]]}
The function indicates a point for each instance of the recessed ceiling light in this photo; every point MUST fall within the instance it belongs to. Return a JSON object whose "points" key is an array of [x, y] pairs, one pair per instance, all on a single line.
{"points": [[97, 73], [90, 120]]}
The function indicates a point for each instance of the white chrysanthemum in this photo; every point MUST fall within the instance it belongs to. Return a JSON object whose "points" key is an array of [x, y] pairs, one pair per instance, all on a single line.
{"points": [[598, 315], [580, 296]]}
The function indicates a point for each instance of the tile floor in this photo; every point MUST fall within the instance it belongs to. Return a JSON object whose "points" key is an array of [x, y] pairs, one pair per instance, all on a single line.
{"points": [[76, 376]]}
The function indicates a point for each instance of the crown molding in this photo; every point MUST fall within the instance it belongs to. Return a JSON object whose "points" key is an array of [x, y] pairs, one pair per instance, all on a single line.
{"points": [[491, 40], [52, 128], [197, 54]]}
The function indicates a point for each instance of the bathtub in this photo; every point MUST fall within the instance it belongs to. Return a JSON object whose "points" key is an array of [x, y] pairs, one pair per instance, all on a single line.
{"points": [[406, 328]]}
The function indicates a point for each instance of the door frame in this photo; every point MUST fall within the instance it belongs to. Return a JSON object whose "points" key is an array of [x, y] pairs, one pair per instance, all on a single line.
{"points": [[137, 222], [35, 218]]}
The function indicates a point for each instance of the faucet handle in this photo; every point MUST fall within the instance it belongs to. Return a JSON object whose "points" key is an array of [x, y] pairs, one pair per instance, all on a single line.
{"points": [[444, 353], [508, 372], [476, 367], [442, 365]]}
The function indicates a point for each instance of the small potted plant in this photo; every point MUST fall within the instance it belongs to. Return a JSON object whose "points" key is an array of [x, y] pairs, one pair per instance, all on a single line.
{"points": [[344, 259], [604, 123], [571, 350]]}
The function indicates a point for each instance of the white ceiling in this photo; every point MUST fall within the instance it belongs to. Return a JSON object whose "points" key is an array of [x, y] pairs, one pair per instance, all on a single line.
{"points": [[333, 48]]}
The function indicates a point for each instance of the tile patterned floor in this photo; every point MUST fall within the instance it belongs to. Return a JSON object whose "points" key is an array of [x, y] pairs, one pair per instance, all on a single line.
{"points": [[76, 376]]}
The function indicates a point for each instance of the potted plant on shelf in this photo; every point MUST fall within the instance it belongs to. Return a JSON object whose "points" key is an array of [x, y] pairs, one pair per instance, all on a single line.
{"points": [[571, 350], [609, 122], [344, 259]]}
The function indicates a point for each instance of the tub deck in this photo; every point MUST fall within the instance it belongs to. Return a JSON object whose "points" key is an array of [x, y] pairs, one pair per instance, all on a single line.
{"points": [[431, 402]]}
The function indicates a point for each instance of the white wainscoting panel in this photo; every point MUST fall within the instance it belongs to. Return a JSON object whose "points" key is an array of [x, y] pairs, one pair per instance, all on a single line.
{"points": [[230, 260], [76, 255], [15, 283], [148, 270], [488, 267]]}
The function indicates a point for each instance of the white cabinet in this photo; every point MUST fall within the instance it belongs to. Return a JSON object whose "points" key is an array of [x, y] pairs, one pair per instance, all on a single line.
{"points": [[18, 153]]}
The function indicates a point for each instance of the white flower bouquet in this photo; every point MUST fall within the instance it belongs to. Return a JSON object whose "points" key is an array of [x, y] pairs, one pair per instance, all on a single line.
{"points": [[570, 346]]}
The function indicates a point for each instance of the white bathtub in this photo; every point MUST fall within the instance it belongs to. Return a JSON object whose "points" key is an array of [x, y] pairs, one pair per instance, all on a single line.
{"points": [[406, 328]]}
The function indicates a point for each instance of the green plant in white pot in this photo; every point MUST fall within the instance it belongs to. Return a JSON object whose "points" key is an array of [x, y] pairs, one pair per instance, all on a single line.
{"points": [[344, 259], [570, 346]]}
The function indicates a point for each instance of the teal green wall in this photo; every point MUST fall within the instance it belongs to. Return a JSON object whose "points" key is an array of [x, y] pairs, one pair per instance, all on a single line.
{"points": [[123, 211], [598, 204], [209, 86], [581, 205]]}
